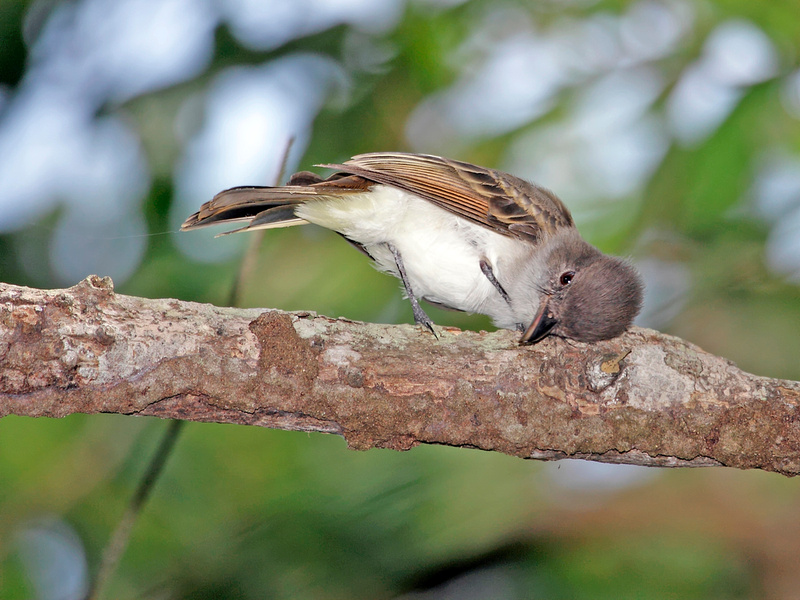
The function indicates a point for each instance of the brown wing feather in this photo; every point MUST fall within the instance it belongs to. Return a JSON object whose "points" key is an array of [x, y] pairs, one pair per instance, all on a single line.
{"points": [[491, 198]]}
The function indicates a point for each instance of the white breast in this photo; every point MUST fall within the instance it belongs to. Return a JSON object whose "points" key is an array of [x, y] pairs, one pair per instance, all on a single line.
{"points": [[441, 252]]}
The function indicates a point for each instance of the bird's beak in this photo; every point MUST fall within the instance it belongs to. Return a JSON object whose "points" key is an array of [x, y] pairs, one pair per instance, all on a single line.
{"points": [[542, 324]]}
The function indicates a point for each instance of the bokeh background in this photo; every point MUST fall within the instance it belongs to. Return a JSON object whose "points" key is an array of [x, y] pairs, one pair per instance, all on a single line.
{"points": [[670, 127]]}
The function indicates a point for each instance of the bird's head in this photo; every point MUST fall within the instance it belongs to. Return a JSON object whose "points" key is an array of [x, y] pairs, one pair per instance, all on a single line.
{"points": [[585, 295]]}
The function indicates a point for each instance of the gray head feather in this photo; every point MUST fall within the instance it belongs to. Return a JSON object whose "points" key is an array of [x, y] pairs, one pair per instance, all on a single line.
{"points": [[603, 299], [585, 295]]}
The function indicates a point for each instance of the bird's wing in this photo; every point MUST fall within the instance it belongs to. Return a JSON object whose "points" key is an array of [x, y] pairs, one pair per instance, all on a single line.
{"points": [[493, 199]]}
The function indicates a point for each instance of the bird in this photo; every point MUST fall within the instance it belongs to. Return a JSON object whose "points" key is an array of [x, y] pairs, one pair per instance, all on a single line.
{"points": [[458, 235]]}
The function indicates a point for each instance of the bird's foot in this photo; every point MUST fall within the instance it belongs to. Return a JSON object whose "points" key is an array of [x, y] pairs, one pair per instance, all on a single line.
{"points": [[421, 318]]}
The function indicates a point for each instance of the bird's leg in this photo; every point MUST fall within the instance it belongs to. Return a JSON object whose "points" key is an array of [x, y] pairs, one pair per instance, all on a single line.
{"points": [[486, 268], [420, 318]]}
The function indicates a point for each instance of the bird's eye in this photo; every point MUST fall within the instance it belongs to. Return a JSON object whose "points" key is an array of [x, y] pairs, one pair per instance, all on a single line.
{"points": [[566, 277]]}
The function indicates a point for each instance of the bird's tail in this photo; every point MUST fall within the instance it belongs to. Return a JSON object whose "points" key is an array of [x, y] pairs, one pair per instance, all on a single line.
{"points": [[271, 207], [257, 207]]}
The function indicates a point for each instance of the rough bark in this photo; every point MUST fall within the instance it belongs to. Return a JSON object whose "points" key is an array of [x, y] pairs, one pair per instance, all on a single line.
{"points": [[644, 398]]}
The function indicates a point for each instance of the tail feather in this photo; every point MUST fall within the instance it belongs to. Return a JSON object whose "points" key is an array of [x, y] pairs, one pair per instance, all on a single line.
{"points": [[269, 207], [272, 218], [246, 203]]}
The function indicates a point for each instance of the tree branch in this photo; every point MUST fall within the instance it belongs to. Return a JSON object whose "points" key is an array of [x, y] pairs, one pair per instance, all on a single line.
{"points": [[644, 398]]}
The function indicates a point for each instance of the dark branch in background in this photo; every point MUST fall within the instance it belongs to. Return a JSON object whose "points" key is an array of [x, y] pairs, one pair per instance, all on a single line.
{"points": [[644, 398], [250, 259], [112, 553]]}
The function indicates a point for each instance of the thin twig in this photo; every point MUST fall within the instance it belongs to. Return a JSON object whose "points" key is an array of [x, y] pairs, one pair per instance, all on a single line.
{"points": [[114, 550], [250, 258], [116, 546]]}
